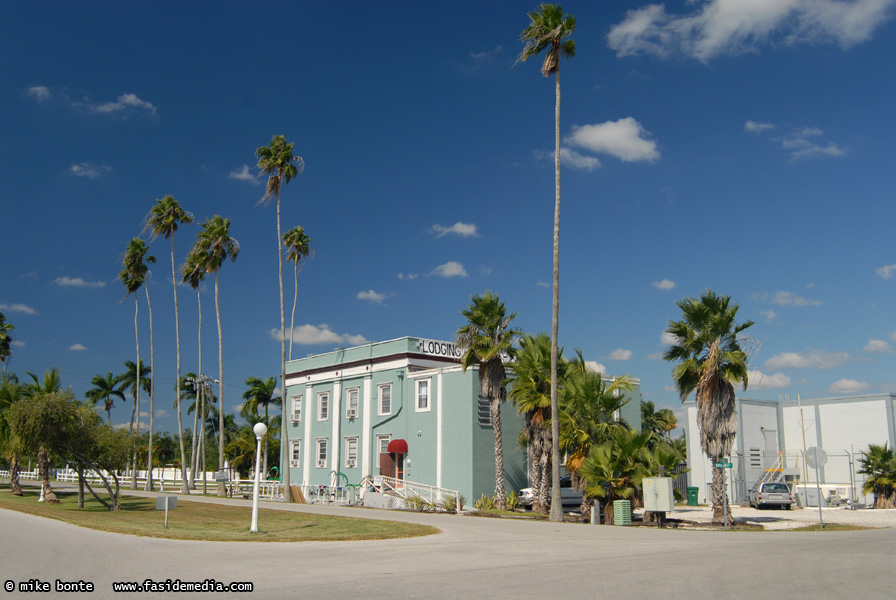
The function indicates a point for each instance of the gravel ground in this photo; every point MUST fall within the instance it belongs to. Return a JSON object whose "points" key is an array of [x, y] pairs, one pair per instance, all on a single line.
{"points": [[791, 519]]}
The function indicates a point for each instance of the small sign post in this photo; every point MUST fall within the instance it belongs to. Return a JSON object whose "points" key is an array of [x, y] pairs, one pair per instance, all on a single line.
{"points": [[164, 503]]}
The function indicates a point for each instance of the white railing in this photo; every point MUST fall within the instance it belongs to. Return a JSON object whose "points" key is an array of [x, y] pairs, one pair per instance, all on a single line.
{"points": [[409, 490]]}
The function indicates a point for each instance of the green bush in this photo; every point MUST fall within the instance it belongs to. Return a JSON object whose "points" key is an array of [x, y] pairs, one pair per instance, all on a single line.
{"points": [[450, 504], [485, 503], [513, 501], [415, 503]]}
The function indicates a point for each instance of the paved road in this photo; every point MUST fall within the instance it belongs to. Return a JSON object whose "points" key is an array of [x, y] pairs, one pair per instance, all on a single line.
{"points": [[472, 558]]}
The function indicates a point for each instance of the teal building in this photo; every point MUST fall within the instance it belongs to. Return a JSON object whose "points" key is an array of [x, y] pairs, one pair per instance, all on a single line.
{"points": [[401, 408]]}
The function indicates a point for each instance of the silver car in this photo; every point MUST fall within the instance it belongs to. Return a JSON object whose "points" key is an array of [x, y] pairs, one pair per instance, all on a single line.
{"points": [[568, 495], [771, 494]]}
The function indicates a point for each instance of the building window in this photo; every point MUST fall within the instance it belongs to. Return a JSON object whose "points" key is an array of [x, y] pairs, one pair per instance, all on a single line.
{"points": [[382, 442], [295, 460], [351, 452], [385, 393], [351, 409], [322, 453], [323, 406], [423, 395], [296, 409]]}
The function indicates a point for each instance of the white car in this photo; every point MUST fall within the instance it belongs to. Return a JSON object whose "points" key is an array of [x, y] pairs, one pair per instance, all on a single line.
{"points": [[774, 494], [568, 495]]}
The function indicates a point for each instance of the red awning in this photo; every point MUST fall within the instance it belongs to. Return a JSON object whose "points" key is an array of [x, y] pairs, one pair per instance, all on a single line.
{"points": [[398, 446]]}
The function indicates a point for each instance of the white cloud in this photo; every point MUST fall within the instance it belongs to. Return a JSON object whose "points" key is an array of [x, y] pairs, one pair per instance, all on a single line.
{"points": [[78, 282], [450, 269], [124, 101], [17, 344], [769, 315], [670, 388], [623, 139], [408, 276], [461, 229], [620, 354], [667, 339], [545, 284], [754, 127], [725, 27], [847, 386], [243, 174], [655, 356], [485, 55], [886, 271], [19, 308], [665, 284], [800, 145], [372, 296], [314, 335], [811, 359], [791, 299], [89, 171], [77, 347], [877, 347], [760, 381], [39, 93], [595, 367], [573, 159]]}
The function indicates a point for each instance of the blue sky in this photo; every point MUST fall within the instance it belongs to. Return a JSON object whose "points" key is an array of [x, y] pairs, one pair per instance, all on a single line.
{"points": [[744, 146]]}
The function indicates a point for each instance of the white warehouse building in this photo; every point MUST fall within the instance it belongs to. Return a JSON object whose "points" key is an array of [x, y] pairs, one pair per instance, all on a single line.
{"points": [[773, 435]]}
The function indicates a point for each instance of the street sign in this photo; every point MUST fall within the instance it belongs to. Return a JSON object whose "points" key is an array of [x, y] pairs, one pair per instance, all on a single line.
{"points": [[816, 457], [221, 476], [724, 465]]}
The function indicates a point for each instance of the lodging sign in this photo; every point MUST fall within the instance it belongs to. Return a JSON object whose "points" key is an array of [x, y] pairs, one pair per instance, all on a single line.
{"points": [[436, 348]]}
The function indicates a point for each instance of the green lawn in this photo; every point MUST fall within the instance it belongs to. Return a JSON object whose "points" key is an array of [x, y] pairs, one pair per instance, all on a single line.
{"points": [[209, 522]]}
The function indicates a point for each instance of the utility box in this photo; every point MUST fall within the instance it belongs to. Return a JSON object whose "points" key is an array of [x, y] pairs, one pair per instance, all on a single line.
{"points": [[658, 495]]}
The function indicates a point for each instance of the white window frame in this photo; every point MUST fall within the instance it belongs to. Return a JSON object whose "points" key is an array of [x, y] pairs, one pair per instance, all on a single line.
{"points": [[382, 447], [323, 407], [352, 412], [380, 389], [296, 416], [428, 396], [295, 463], [321, 447], [351, 457]]}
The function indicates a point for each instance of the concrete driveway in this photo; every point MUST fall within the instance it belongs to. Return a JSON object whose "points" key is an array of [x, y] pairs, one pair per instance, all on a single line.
{"points": [[471, 558]]}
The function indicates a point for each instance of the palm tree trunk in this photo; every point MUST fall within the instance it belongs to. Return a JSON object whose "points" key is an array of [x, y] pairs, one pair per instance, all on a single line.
{"points": [[194, 455], [152, 396], [221, 487], [719, 497], [295, 300], [43, 468], [136, 388], [185, 484], [556, 506], [14, 484], [500, 493], [284, 449]]}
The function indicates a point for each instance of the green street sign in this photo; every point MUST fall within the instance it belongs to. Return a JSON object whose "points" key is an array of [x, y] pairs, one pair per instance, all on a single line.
{"points": [[724, 465]]}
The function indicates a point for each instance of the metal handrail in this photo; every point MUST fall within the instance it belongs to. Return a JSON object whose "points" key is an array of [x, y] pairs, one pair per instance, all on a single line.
{"points": [[409, 489]]}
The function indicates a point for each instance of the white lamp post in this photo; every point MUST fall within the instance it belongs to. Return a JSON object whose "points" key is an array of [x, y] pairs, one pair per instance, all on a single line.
{"points": [[260, 429]]}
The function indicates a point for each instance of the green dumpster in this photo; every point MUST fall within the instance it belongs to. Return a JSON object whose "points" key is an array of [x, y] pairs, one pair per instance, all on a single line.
{"points": [[622, 512], [692, 496]]}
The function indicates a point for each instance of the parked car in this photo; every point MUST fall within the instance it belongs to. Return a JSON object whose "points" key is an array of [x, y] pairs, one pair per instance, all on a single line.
{"points": [[568, 495], [771, 494]]}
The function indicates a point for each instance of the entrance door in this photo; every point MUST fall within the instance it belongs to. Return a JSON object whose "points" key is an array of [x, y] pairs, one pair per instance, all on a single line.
{"points": [[400, 466]]}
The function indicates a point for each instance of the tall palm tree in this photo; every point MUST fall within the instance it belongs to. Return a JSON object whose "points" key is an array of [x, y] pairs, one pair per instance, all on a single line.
{"points": [[260, 393], [193, 273], [281, 166], [659, 423], [133, 275], [164, 219], [216, 245], [134, 373], [5, 340], [710, 363], [531, 393], [878, 464], [298, 248], [485, 341], [51, 384], [105, 389], [550, 29]]}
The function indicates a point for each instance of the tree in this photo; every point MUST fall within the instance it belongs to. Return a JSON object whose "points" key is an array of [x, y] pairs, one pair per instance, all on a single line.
{"points": [[10, 393], [711, 362], [531, 393], [163, 219], [105, 389], [260, 393], [550, 29], [193, 273], [51, 384], [281, 166], [133, 275], [298, 248], [5, 340], [216, 245], [614, 469], [486, 340], [133, 373], [879, 466], [659, 423]]}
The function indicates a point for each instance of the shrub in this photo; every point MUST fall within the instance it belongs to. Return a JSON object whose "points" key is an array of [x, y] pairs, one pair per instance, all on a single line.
{"points": [[485, 503], [513, 500]]}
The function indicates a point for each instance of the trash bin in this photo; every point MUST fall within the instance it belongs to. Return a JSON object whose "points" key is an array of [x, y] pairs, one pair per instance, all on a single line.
{"points": [[692, 495], [622, 512]]}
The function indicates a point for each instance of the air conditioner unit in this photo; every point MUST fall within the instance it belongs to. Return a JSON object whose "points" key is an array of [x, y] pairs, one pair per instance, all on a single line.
{"points": [[352, 414], [295, 419], [321, 464], [294, 463], [349, 464]]}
